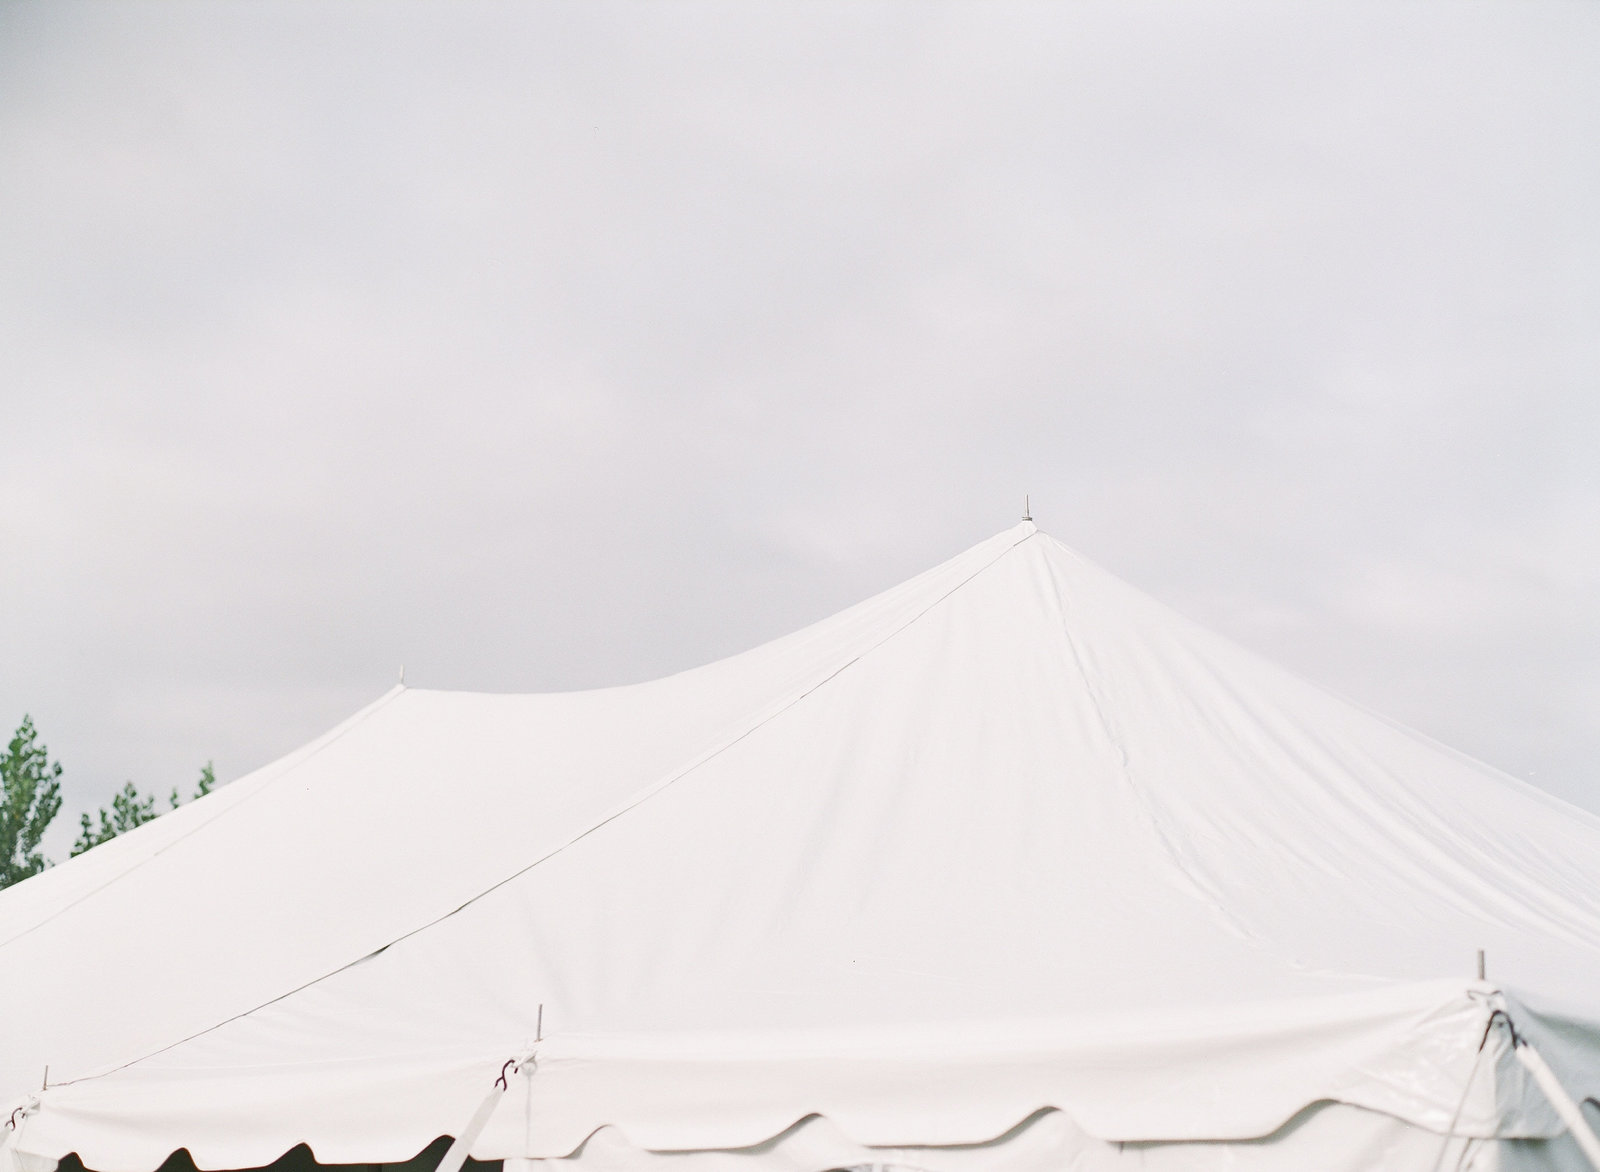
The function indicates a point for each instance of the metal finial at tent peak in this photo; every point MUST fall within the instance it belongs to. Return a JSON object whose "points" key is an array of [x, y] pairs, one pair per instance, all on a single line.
{"points": [[1481, 969], [1027, 508], [402, 675]]}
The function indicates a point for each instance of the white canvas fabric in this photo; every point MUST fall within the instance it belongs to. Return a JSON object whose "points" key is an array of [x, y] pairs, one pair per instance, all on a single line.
{"points": [[1008, 838], [1329, 1137]]}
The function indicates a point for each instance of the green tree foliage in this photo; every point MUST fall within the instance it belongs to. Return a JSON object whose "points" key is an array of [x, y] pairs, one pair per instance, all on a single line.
{"points": [[30, 796], [130, 808]]}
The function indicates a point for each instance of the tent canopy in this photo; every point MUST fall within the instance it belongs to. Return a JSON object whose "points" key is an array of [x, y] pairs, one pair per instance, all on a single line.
{"points": [[1008, 836]]}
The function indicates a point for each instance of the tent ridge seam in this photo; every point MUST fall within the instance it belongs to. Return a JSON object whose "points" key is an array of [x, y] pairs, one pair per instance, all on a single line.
{"points": [[772, 712], [330, 737], [1199, 889]]}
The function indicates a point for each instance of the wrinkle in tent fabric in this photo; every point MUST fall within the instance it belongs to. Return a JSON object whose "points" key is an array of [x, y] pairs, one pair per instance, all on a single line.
{"points": [[1008, 838]]}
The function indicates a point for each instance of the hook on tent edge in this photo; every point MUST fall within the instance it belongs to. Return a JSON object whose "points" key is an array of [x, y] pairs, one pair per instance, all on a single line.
{"points": [[456, 1155], [24, 1109]]}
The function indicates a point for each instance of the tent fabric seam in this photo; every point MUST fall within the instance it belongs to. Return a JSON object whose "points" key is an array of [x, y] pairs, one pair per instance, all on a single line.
{"points": [[632, 803], [1052, 848], [1125, 770], [329, 738]]}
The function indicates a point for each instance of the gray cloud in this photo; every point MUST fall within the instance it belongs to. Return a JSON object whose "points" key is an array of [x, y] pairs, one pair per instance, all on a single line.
{"points": [[553, 346]]}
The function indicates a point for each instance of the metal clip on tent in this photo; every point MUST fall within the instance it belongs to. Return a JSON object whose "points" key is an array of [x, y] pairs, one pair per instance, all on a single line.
{"points": [[456, 1156], [24, 1109]]}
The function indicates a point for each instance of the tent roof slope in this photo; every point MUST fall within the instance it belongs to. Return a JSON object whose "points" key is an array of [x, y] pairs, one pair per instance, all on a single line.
{"points": [[403, 813], [1012, 790]]}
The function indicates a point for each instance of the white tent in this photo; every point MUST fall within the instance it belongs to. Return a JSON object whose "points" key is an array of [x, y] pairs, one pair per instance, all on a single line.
{"points": [[1008, 867]]}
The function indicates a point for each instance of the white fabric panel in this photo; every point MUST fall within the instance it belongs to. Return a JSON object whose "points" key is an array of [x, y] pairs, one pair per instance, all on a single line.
{"points": [[1007, 837], [1329, 1137], [397, 819], [1408, 1051]]}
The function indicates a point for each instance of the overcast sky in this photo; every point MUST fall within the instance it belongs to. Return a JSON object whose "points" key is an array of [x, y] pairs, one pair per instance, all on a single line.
{"points": [[546, 346]]}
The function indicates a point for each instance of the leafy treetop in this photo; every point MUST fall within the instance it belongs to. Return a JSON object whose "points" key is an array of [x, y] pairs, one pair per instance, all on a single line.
{"points": [[30, 796], [130, 808]]}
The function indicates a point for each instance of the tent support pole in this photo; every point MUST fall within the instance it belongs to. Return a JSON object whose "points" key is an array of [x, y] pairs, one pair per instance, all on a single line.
{"points": [[1571, 1114]]}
